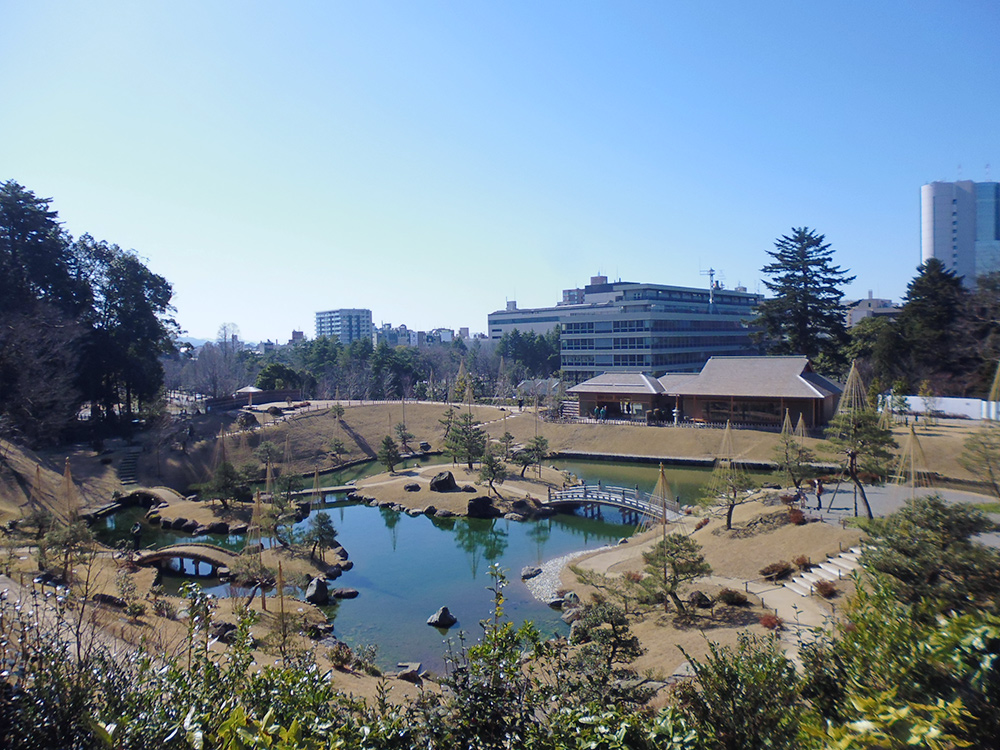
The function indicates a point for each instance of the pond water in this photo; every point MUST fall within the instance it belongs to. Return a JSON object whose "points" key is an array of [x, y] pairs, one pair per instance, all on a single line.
{"points": [[406, 567]]}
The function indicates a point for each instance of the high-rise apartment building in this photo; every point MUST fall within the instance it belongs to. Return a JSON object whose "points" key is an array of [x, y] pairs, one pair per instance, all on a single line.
{"points": [[347, 324], [960, 226], [629, 327]]}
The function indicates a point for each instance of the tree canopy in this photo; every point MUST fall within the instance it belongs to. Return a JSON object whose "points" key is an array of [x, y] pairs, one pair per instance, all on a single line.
{"points": [[804, 316]]}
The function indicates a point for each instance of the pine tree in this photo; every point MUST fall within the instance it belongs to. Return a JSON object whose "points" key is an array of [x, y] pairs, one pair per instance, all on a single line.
{"points": [[466, 441], [388, 453], [929, 319], [805, 316]]}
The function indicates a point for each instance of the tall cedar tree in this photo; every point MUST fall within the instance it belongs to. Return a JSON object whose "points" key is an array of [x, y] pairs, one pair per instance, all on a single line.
{"points": [[928, 322], [805, 316]]}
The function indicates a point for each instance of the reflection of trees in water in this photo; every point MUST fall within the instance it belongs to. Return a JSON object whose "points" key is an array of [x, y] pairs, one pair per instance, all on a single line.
{"points": [[540, 532], [390, 518], [481, 539], [606, 530]]}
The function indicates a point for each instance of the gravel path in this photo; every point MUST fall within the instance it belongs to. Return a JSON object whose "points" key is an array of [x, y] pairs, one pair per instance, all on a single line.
{"points": [[544, 587]]}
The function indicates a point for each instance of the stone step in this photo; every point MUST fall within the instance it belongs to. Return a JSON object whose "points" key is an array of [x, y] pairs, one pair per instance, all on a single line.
{"points": [[849, 556], [855, 550], [792, 586], [811, 578], [803, 582], [846, 565], [832, 570]]}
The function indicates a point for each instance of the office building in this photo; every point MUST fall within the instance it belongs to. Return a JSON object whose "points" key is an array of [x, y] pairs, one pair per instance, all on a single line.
{"points": [[630, 327], [960, 226], [347, 324]]}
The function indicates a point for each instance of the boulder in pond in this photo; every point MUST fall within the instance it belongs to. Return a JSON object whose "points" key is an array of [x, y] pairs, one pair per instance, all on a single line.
{"points": [[430, 510], [530, 571], [482, 507], [411, 487], [240, 528], [218, 527], [444, 482], [443, 513], [189, 526], [317, 592], [442, 619], [513, 516], [344, 593], [178, 523]]}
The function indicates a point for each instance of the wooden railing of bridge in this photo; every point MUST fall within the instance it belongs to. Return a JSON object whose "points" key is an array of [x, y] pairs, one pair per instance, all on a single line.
{"points": [[629, 498]]}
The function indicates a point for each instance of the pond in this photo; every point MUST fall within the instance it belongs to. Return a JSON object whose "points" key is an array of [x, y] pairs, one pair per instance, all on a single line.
{"points": [[406, 567]]}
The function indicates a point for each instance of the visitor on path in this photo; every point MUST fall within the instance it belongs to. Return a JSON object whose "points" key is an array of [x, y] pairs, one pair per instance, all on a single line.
{"points": [[136, 536], [819, 494]]}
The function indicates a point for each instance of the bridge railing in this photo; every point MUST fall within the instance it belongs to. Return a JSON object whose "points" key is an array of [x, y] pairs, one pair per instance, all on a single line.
{"points": [[628, 497]]}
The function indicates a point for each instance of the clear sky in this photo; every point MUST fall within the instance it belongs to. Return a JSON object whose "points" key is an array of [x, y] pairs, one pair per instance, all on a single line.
{"points": [[430, 160]]}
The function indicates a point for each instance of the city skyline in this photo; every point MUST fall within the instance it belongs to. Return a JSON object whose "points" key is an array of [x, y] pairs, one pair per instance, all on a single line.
{"points": [[430, 161]]}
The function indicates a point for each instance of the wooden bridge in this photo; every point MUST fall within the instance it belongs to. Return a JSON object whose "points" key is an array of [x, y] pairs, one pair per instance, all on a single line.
{"points": [[213, 556], [626, 498]]}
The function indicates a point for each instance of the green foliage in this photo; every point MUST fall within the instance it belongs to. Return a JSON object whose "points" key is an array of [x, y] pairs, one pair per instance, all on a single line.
{"points": [[336, 411], [804, 316], [388, 453], [927, 322], [744, 697], [929, 552], [671, 563], [337, 448], [403, 435], [268, 453], [275, 376], [320, 534], [534, 355], [492, 470], [856, 435], [227, 483], [981, 455], [794, 458], [607, 639], [625, 590], [466, 441]]}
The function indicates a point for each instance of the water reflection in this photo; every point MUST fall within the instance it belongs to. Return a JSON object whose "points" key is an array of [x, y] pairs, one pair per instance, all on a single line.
{"points": [[390, 518], [480, 539]]}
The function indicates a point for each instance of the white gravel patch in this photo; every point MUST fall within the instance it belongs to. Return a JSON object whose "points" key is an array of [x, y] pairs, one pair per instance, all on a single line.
{"points": [[544, 586]]}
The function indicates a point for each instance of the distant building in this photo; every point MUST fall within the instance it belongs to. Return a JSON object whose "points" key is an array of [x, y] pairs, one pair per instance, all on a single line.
{"points": [[347, 324], [960, 226], [297, 336], [630, 327], [858, 310]]}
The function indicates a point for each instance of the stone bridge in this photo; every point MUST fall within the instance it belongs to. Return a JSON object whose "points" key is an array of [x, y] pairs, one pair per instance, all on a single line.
{"points": [[627, 498], [213, 556]]}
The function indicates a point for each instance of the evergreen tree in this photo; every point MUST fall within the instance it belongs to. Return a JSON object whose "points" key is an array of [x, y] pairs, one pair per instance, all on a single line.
{"points": [[388, 453], [671, 563], [805, 316], [492, 470], [466, 441], [928, 322]]}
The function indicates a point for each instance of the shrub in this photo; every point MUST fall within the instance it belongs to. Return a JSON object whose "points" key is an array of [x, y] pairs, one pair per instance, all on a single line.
{"points": [[777, 570], [733, 598], [826, 589], [796, 516], [275, 411], [771, 622], [802, 562], [701, 524]]}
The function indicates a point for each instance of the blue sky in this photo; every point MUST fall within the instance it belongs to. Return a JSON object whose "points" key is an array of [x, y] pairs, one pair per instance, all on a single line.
{"points": [[430, 160]]}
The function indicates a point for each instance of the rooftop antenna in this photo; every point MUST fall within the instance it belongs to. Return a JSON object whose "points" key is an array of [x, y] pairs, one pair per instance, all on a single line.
{"points": [[711, 272]]}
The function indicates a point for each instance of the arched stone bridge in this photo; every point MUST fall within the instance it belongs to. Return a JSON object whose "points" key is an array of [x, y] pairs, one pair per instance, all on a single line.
{"points": [[627, 498], [215, 557]]}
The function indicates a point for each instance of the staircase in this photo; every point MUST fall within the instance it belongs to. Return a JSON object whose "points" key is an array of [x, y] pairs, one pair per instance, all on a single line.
{"points": [[128, 469], [570, 409], [833, 569]]}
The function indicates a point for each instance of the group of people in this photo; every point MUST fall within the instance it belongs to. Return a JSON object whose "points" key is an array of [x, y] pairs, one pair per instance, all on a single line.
{"points": [[600, 413], [817, 485]]}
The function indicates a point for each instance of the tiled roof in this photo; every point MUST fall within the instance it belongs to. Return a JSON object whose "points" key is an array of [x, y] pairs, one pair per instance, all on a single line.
{"points": [[761, 377], [620, 383]]}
